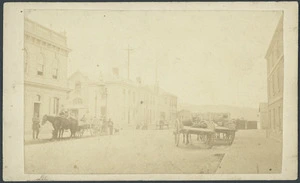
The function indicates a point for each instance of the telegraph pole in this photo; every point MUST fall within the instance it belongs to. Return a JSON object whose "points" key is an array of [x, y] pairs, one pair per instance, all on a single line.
{"points": [[128, 62], [128, 75]]}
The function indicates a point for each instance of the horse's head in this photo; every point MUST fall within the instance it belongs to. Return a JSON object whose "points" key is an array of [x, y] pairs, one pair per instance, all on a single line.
{"points": [[45, 119]]}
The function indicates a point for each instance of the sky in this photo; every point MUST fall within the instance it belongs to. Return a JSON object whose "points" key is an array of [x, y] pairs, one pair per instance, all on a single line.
{"points": [[203, 57]]}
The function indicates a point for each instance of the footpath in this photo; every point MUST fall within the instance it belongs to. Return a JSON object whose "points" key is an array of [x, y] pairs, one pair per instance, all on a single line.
{"points": [[252, 153]]}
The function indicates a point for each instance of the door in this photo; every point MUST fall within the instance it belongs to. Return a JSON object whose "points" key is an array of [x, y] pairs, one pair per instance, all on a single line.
{"points": [[36, 109]]}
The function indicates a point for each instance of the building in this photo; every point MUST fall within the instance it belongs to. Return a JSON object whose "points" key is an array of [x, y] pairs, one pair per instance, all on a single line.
{"points": [[275, 64], [130, 103], [167, 106], [86, 96], [242, 124], [133, 103], [214, 116], [45, 71], [184, 115], [263, 116]]}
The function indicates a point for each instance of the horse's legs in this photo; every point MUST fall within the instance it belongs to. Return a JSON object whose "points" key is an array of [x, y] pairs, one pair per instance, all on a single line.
{"points": [[62, 133], [33, 134], [37, 133], [187, 138]]}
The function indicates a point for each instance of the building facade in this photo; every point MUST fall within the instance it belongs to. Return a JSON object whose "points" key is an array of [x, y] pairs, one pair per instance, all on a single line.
{"points": [[86, 97], [132, 103], [45, 71], [167, 106], [263, 116], [184, 115], [275, 65]]}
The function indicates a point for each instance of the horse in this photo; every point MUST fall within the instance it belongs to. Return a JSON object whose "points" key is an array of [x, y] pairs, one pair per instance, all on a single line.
{"points": [[60, 124], [68, 123], [56, 123]]}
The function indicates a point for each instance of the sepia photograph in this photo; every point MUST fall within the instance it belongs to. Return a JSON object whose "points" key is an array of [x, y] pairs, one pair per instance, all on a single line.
{"points": [[153, 91]]}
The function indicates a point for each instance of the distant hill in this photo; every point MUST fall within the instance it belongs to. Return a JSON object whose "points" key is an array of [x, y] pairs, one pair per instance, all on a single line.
{"points": [[236, 112]]}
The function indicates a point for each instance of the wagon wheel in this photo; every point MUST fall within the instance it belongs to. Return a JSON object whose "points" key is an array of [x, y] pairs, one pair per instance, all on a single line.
{"points": [[231, 137], [204, 138], [211, 139], [81, 132]]}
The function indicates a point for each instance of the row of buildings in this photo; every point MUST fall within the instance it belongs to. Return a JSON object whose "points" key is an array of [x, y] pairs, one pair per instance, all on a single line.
{"points": [[48, 89], [271, 112]]}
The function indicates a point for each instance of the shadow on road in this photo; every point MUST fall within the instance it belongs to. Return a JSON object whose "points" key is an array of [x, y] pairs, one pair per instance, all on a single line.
{"points": [[43, 141]]}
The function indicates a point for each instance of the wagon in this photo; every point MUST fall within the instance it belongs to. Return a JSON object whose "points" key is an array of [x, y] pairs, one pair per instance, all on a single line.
{"points": [[210, 136], [92, 128]]}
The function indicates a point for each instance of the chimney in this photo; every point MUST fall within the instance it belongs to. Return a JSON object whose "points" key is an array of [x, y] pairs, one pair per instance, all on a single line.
{"points": [[115, 71]]}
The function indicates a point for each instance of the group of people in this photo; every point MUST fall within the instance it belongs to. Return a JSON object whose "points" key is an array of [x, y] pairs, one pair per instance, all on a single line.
{"points": [[106, 124]]}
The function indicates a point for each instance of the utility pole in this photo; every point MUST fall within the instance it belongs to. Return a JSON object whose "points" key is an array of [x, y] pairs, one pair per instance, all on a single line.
{"points": [[128, 75], [128, 66]]}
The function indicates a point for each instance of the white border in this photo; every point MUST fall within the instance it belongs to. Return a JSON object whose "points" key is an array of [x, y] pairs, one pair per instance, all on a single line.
{"points": [[13, 166]]}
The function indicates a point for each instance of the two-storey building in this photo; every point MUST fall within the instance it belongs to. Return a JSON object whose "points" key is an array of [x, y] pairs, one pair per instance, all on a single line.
{"points": [[86, 96], [45, 71], [275, 64]]}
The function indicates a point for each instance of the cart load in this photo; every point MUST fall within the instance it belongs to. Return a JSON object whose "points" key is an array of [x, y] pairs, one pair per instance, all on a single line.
{"points": [[207, 131]]}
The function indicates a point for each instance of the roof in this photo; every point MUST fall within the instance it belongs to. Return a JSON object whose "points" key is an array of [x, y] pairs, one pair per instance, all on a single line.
{"points": [[280, 23], [86, 78]]}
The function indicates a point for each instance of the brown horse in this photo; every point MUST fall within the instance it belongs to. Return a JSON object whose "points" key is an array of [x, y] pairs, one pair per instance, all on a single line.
{"points": [[71, 124], [60, 124], [56, 123]]}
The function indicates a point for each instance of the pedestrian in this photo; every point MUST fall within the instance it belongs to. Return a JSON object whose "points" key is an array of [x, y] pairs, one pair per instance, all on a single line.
{"points": [[111, 126], [35, 126]]}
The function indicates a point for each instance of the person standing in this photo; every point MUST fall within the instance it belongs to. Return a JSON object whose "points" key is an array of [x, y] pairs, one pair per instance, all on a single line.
{"points": [[35, 126], [111, 126]]}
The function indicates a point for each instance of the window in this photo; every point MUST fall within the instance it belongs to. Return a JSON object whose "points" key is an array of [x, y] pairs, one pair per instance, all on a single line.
{"points": [[77, 101], [55, 105], [55, 68], [26, 58], [54, 73], [103, 111], [38, 98], [272, 82], [40, 65], [278, 80], [279, 117], [77, 86], [133, 98], [40, 69]]}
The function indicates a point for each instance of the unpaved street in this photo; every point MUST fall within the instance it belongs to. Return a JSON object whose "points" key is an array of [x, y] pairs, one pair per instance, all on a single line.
{"points": [[130, 151]]}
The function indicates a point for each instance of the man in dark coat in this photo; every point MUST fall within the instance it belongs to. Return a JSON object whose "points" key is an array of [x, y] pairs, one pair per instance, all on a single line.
{"points": [[111, 126], [35, 126]]}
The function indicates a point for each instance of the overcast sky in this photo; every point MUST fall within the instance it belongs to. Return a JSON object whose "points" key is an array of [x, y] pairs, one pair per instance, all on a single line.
{"points": [[204, 57]]}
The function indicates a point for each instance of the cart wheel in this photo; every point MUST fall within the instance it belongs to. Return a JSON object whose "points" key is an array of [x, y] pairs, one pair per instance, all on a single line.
{"points": [[81, 132], [210, 140], [231, 137], [177, 138]]}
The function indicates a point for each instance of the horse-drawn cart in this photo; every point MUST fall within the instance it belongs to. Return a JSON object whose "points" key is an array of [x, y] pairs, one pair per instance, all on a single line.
{"points": [[211, 135]]}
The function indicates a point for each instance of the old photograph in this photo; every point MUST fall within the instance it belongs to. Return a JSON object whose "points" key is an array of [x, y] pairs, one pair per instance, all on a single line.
{"points": [[153, 91]]}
